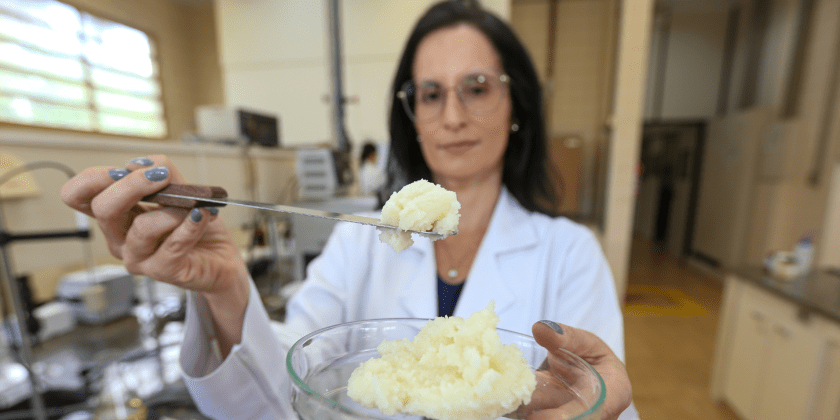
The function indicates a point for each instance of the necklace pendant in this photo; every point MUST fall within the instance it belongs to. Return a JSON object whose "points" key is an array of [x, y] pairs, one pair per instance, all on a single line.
{"points": [[452, 273]]}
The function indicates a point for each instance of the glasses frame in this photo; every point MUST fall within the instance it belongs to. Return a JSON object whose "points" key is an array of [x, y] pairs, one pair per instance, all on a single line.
{"points": [[404, 97]]}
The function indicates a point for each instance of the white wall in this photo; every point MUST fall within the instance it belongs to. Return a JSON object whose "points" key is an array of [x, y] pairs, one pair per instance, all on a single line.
{"points": [[693, 57], [659, 32], [275, 58]]}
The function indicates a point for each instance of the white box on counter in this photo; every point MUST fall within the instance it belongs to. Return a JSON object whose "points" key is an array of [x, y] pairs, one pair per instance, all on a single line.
{"points": [[99, 295]]}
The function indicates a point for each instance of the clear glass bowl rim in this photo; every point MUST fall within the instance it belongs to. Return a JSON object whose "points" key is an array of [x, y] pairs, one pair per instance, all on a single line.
{"points": [[302, 385]]}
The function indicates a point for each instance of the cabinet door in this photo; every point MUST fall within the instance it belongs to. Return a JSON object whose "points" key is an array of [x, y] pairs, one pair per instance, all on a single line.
{"points": [[790, 370], [749, 345], [827, 391]]}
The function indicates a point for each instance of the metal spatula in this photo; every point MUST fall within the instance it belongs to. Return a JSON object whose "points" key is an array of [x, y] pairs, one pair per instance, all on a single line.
{"points": [[188, 196]]}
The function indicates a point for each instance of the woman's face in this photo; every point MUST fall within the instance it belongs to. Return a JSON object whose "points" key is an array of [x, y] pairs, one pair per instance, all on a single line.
{"points": [[466, 138]]}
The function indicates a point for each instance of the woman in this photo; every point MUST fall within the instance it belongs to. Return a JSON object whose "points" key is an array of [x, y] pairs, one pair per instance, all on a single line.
{"points": [[466, 115], [371, 176]]}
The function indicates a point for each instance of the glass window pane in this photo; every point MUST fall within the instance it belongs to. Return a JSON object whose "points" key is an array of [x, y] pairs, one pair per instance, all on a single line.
{"points": [[16, 56], [118, 124], [45, 82], [45, 24], [113, 101], [42, 87], [117, 81], [116, 46], [24, 111]]}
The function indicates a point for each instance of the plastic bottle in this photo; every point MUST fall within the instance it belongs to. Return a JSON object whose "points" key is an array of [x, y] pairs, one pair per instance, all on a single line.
{"points": [[804, 254]]}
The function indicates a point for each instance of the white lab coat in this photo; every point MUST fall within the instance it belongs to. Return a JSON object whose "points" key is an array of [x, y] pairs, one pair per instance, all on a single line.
{"points": [[533, 267], [371, 178]]}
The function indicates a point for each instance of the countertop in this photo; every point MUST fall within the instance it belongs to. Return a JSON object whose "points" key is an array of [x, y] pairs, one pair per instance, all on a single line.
{"points": [[108, 357], [818, 292]]}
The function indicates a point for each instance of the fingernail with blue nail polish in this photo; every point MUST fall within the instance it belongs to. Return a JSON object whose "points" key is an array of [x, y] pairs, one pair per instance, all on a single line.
{"points": [[142, 161], [195, 215], [157, 174], [118, 174], [553, 325], [213, 210]]}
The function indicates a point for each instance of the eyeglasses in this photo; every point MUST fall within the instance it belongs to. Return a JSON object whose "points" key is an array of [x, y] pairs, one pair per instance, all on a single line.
{"points": [[479, 92]]}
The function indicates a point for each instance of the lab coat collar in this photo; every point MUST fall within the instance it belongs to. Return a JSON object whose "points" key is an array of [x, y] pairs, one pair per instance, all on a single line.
{"points": [[509, 231]]}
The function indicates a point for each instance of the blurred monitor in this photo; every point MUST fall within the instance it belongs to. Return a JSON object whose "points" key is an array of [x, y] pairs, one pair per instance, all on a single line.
{"points": [[259, 129], [222, 124]]}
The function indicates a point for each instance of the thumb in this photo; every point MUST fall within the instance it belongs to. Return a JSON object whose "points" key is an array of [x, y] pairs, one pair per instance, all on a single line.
{"points": [[594, 351], [584, 344]]}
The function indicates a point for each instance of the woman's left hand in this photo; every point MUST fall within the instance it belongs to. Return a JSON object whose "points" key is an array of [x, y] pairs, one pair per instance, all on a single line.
{"points": [[588, 347]]}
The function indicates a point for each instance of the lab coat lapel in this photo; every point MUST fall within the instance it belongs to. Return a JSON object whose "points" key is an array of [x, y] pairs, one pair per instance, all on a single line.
{"points": [[509, 231], [419, 293]]}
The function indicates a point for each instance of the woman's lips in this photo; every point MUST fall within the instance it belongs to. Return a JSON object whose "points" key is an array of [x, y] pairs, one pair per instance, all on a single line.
{"points": [[459, 147]]}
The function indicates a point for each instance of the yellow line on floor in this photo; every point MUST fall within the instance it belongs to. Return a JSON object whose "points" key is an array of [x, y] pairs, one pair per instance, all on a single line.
{"points": [[684, 306]]}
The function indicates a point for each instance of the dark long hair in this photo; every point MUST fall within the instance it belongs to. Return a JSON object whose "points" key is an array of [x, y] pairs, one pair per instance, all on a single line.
{"points": [[367, 150], [526, 169]]}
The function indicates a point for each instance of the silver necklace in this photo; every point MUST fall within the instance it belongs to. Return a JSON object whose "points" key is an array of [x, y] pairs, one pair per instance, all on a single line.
{"points": [[453, 272]]}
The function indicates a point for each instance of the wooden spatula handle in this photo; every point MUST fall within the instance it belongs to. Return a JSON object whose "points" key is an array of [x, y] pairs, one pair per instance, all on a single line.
{"points": [[201, 191]]}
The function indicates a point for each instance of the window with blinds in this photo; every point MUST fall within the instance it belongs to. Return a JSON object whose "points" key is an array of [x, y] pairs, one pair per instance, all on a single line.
{"points": [[63, 68]]}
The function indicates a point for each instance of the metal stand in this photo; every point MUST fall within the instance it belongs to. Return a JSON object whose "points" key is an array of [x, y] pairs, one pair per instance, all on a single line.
{"points": [[25, 349], [8, 277]]}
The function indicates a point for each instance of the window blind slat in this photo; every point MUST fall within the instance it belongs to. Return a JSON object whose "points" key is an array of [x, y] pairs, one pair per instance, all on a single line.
{"points": [[22, 84], [118, 124], [116, 81], [17, 56], [60, 67], [24, 111], [107, 100], [48, 25]]}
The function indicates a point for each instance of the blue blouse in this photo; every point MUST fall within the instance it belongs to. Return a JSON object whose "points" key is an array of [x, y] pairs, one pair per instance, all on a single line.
{"points": [[447, 297]]}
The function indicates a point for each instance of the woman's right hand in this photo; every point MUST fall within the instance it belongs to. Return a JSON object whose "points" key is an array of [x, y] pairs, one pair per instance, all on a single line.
{"points": [[187, 248]]}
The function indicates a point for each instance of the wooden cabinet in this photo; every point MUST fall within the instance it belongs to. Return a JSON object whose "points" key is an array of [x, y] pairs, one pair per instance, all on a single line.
{"points": [[774, 361], [790, 350], [743, 379], [826, 404]]}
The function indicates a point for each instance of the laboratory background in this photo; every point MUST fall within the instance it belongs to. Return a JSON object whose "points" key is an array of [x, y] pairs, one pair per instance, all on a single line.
{"points": [[698, 139]]}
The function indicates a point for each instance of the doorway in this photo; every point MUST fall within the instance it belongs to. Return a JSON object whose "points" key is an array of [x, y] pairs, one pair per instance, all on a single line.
{"points": [[668, 185]]}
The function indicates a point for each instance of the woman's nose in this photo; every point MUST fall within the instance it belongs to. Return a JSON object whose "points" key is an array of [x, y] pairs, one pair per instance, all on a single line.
{"points": [[454, 114]]}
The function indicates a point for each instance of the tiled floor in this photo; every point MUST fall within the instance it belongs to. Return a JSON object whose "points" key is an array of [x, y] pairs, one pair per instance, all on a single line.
{"points": [[671, 317]]}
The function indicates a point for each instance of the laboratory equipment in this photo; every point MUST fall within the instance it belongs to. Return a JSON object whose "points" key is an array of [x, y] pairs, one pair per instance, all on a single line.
{"points": [[227, 125], [322, 173], [98, 295]]}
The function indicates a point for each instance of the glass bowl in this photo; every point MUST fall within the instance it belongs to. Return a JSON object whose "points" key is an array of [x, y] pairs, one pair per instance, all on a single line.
{"points": [[320, 365]]}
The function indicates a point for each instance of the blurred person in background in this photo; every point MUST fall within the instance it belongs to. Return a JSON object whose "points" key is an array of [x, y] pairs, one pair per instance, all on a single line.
{"points": [[371, 175]]}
